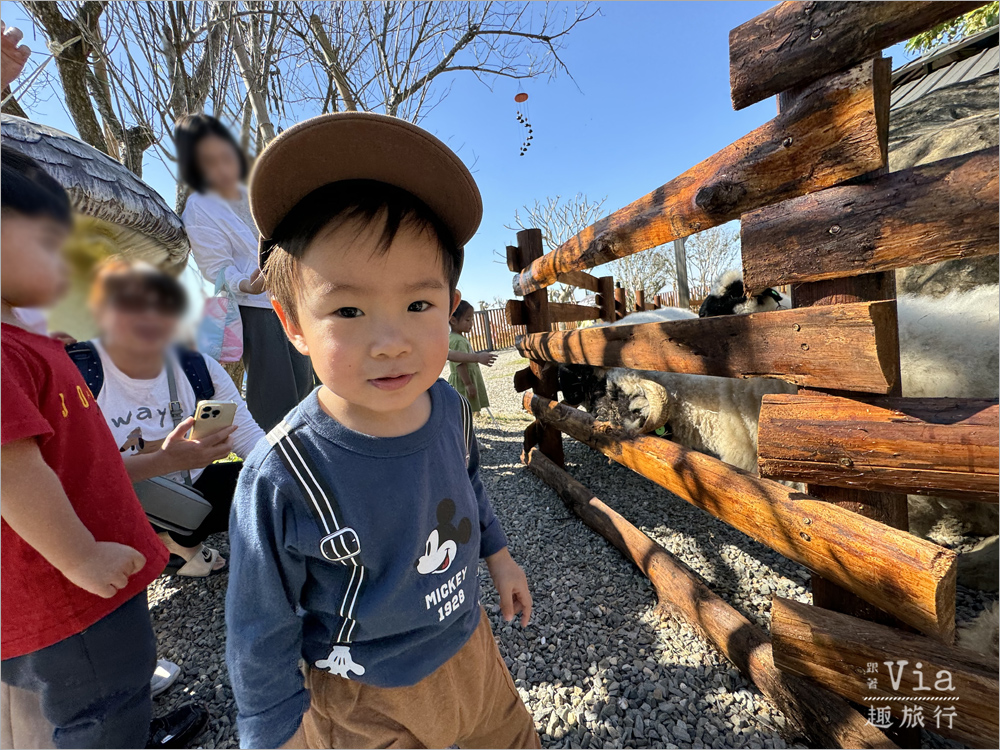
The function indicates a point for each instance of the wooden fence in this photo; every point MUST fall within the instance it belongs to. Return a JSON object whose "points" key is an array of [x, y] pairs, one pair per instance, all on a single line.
{"points": [[491, 331], [818, 211]]}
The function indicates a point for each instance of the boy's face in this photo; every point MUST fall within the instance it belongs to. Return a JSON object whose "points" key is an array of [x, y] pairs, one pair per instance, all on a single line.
{"points": [[375, 325], [33, 272]]}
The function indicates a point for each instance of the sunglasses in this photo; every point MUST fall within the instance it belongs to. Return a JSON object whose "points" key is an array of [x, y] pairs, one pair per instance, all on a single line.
{"points": [[140, 302]]}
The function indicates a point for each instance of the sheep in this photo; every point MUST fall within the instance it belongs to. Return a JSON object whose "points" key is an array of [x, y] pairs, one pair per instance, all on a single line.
{"points": [[982, 634], [948, 347], [731, 298]]}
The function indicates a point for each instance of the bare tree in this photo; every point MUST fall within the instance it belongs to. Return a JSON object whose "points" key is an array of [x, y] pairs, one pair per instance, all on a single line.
{"points": [[559, 220], [711, 253], [128, 70], [651, 270], [387, 56]]}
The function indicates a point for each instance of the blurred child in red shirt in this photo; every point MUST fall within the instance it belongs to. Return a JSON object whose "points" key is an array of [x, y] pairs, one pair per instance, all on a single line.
{"points": [[77, 550]]}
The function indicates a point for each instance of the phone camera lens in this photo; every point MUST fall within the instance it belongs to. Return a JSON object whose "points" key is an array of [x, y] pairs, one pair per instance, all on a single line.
{"points": [[206, 410], [215, 413]]}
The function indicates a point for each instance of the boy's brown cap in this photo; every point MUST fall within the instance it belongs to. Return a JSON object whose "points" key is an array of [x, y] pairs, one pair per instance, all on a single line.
{"points": [[361, 146]]}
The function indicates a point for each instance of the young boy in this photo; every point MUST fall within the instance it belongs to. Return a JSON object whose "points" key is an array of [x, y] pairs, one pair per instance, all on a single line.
{"points": [[358, 526], [466, 377], [77, 549]]}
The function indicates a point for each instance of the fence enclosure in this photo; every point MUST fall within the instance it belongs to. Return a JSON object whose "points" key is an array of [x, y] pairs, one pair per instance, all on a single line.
{"points": [[818, 211]]}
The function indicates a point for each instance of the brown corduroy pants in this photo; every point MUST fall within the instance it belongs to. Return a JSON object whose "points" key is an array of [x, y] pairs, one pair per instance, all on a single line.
{"points": [[469, 701]]}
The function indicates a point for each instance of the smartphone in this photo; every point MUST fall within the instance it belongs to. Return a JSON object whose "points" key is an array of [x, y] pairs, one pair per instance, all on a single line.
{"points": [[212, 416]]}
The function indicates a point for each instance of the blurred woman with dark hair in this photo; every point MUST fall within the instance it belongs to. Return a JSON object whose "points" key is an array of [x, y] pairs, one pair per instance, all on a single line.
{"points": [[224, 240], [138, 309]]}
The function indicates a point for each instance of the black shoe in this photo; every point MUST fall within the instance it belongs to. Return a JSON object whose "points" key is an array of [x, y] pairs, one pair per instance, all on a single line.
{"points": [[179, 727]]}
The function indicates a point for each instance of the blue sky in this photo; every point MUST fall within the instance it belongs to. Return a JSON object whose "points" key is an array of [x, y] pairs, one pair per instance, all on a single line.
{"points": [[650, 99]]}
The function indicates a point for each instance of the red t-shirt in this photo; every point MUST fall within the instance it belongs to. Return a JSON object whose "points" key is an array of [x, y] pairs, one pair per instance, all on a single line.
{"points": [[44, 397]]}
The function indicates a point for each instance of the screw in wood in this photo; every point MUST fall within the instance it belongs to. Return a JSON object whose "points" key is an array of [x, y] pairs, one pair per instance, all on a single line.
{"points": [[835, 229], [816, 34], [796, 327], [805, 347], [807, 520], [787, 142], [846, 461], [805, 536]]}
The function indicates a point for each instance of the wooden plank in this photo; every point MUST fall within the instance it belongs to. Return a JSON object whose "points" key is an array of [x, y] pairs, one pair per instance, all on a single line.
{"points": [[817, 714], [566, 312], [850, 347], [910, 577], [934, 212], [525, 380], [827, 136], [535, 311], [606, 298], [512, 261], [836, 650], [514, 312], [580, 279], [930, 446], [794, 43]]}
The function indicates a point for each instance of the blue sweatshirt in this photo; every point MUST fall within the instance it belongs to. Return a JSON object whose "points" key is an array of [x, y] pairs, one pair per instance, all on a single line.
{"points": [[380, 585]]}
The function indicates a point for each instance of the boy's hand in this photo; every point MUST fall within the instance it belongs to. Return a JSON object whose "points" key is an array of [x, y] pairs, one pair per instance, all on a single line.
{"points": [[105, 569], [182, 454], [512, 586], [487, 358]]}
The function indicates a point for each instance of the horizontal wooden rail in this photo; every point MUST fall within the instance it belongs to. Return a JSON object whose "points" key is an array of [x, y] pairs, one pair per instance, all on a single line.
{"points": [[906, 576], [580, 279], [934, 212], [559, 312], [835, 650], [843, 347], [826, 719], [797, 42], [930, 446], [828, 135]]}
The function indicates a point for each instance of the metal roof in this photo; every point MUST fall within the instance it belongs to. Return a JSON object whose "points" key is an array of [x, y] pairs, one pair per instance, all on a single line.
{"points": [[962, 60]]}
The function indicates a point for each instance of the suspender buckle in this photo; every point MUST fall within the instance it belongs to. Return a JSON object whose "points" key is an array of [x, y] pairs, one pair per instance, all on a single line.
{"points": [[340, 546]]}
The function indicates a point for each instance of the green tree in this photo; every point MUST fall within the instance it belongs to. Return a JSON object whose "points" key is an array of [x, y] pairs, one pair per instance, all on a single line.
{"points": [[977, 20]]}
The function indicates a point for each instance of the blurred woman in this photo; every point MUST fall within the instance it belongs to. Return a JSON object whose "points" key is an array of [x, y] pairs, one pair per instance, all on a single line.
{"points": [[138, 309], [224, 240]]}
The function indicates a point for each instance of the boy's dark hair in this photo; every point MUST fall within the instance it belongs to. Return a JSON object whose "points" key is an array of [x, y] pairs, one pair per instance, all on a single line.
{"points": [[340, 203], [188, 131], [463, 307], [28, 189]]}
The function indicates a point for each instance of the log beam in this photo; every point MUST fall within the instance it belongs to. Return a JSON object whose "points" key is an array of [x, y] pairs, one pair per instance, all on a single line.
{"points": [[932, 446], [813, 712], [580, 279], [849, 347], [933, 212], [535, 312], [794, 43], [836, 650], [911, 577], [826, 137]]}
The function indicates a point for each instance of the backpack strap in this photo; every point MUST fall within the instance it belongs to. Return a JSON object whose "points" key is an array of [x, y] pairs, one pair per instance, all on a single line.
{"points": [[340, 544], [195, 369], [466, 427], [88, 362]]}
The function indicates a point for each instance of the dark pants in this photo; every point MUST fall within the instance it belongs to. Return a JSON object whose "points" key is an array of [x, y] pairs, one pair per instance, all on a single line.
{"points": [[218, 484], [94, 686], [278, 377]]}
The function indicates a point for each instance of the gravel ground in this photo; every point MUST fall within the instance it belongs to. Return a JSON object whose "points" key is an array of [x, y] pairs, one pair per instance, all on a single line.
{"points": [[598, 666]]}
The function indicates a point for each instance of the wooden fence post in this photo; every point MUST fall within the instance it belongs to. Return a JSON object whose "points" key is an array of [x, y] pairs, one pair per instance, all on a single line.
{"points": [[536, 312], [680, 261], [606, 298], [888, 508], [489, 331], [620, 308], [640, 300]]}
